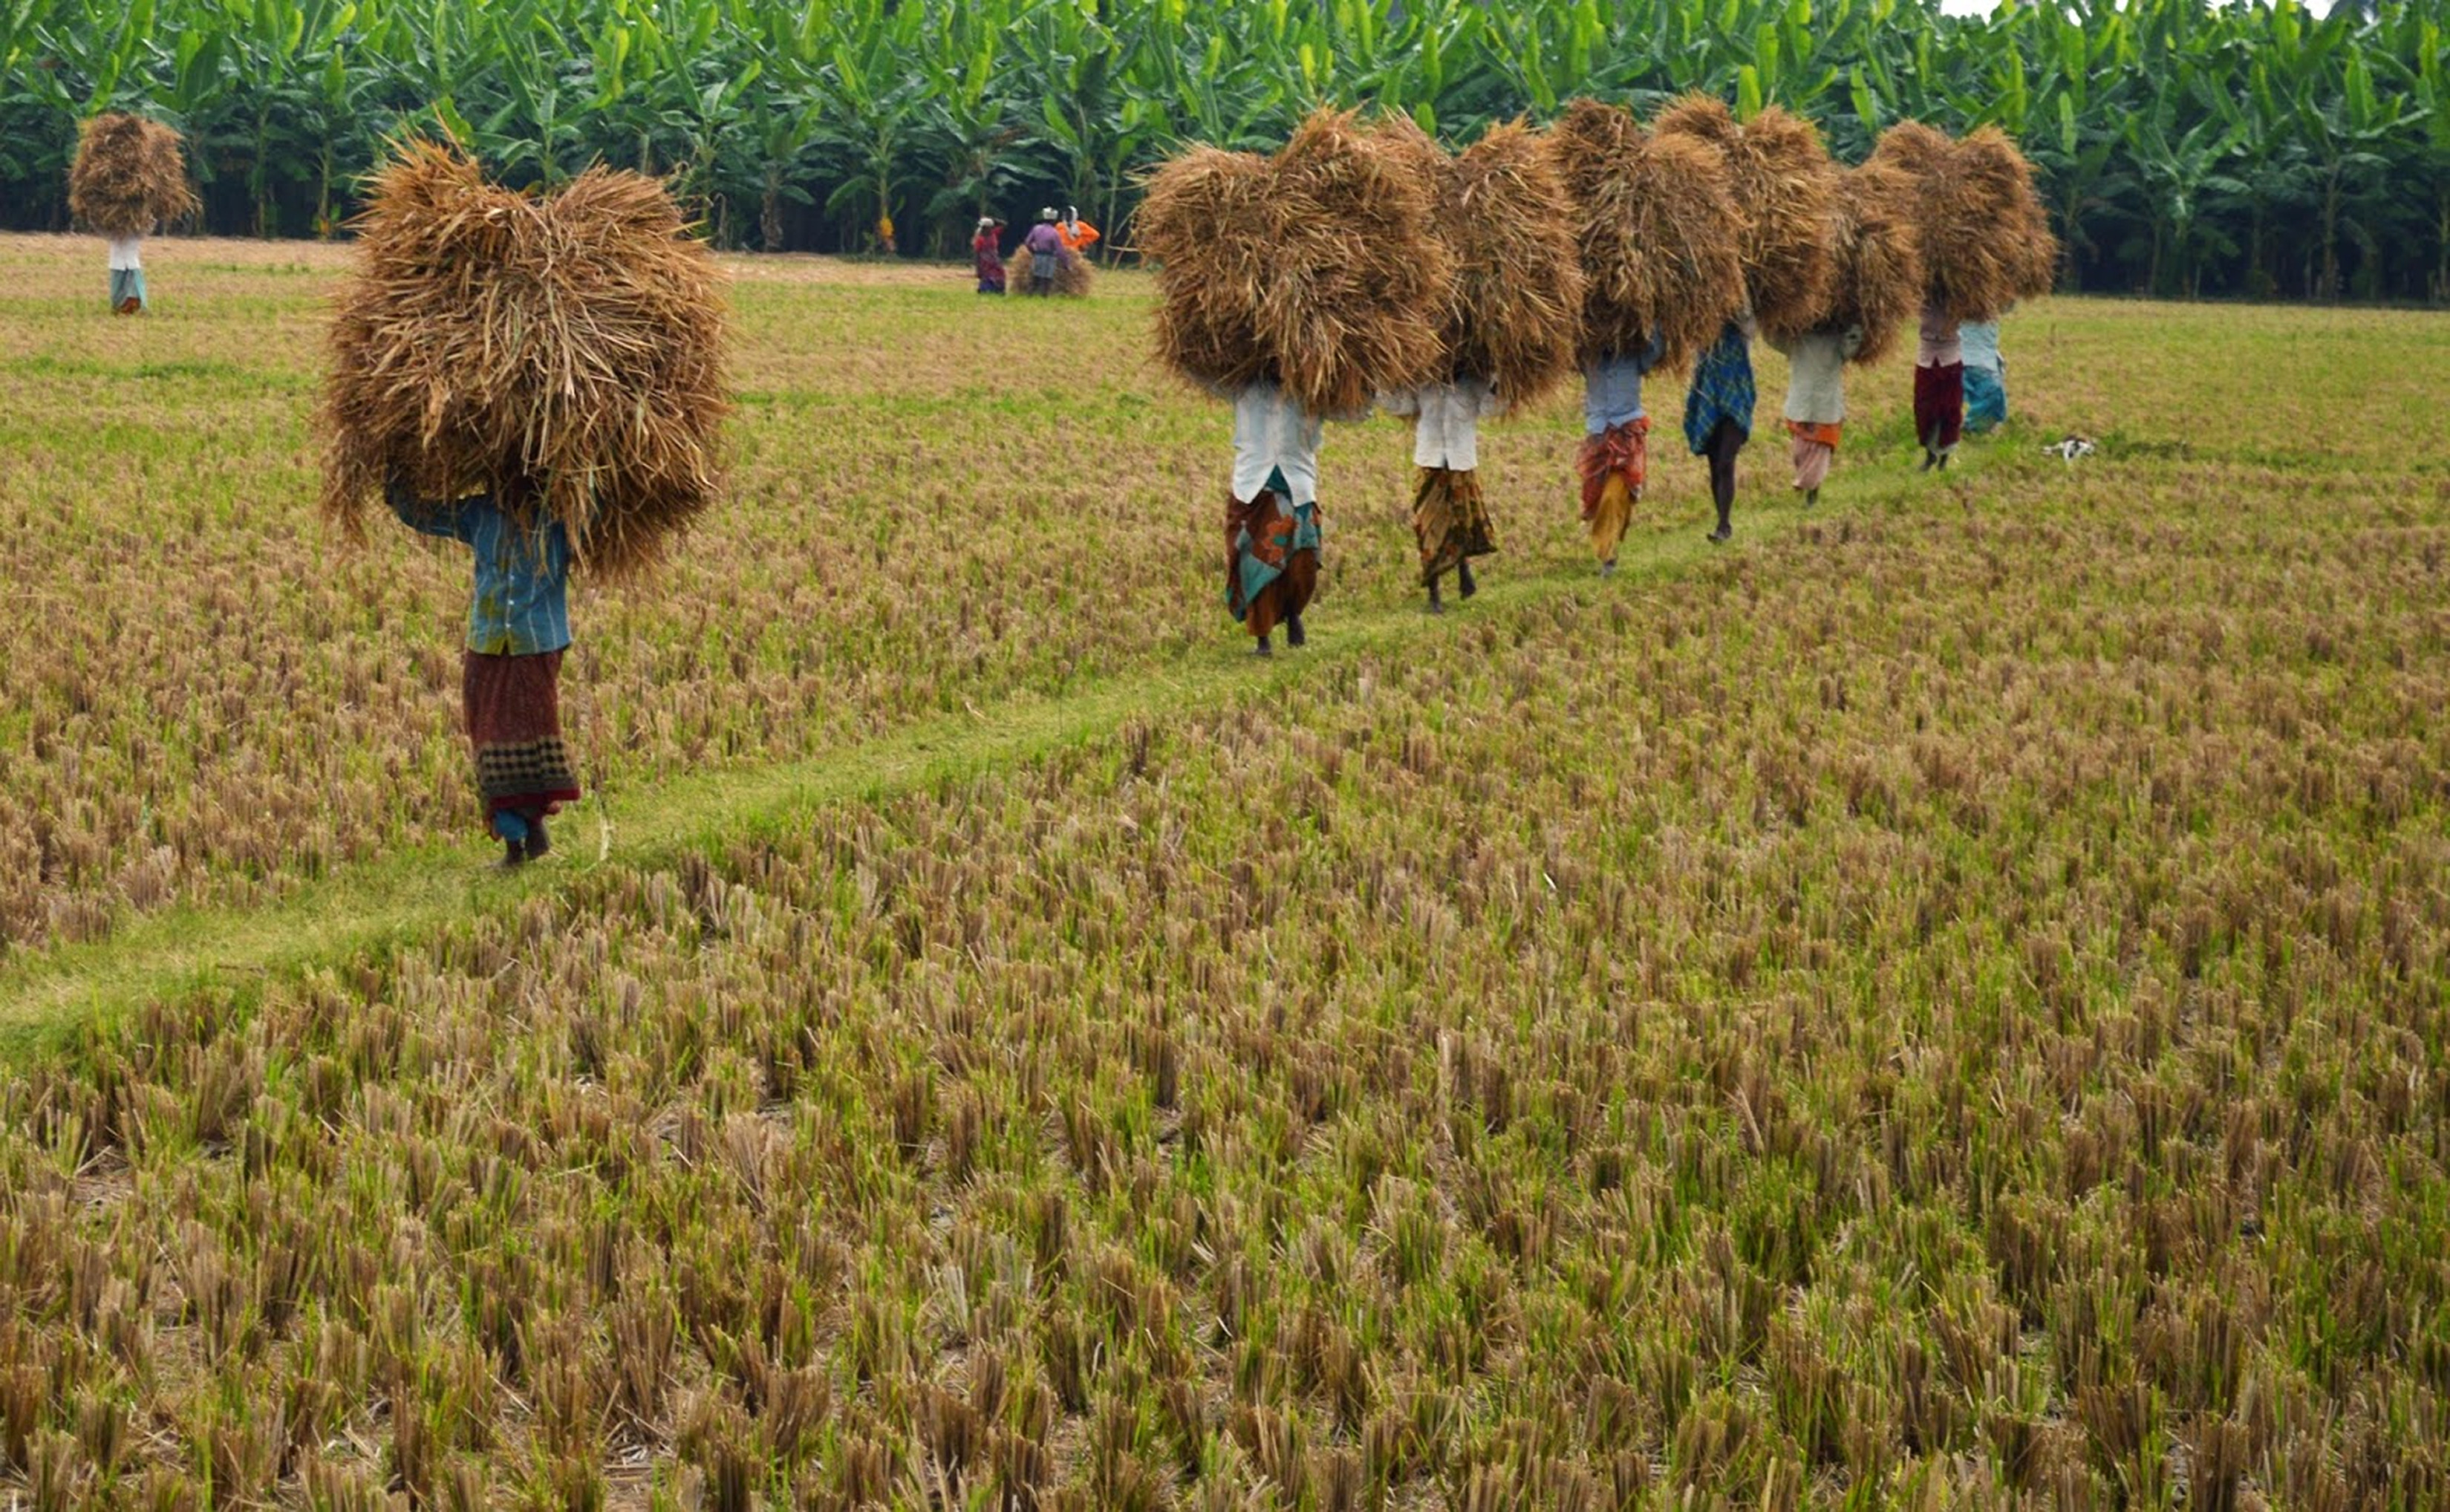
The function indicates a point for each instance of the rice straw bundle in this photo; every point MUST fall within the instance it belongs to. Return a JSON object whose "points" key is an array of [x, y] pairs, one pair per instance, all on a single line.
{"points": [[1991, 158], [1658, 231], [1985, 239], [1518, 294], [1784, 187], [1205, 219], [1357, 283], [129, 174], [1072, 275], [563, 354], [1413, 151], [1880, 280]]}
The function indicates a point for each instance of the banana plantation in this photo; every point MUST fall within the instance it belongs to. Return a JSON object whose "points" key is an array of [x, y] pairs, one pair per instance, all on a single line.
{"points": [[2192, 149]]}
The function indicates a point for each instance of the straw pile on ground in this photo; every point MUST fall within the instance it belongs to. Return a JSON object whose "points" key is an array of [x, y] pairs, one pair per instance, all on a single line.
{"points": [[1878, 284], [1784, 189], [1518, 294], [563, 354], [1073, 276], [1658, 232], [1986, 239], [128, 175], [1318, 268]]}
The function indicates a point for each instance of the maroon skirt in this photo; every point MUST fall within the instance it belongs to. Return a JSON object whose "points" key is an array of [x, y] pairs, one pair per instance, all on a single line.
{"points": [[1939, 405], [514, 728]]}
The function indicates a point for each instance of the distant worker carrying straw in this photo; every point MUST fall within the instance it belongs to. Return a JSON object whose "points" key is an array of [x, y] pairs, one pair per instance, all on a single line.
{"points": [[128, 178]]}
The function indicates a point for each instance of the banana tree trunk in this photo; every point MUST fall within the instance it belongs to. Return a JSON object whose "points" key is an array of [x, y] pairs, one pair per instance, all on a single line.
{"points": [[2441, 242], [769, 210], [2330, 276]]}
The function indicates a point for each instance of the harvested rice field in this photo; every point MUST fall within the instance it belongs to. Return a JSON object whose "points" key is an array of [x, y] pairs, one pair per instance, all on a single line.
{"points": [[1943, 1002]]}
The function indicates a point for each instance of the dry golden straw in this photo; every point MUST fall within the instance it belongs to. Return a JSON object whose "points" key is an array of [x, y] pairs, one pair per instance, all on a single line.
{"points": [[562, 353], [1784, 189], [1880, 280], [1986, 237], [1073, 276], [1204, 220], [1510, 228], [1659, 234], [1318, 268], [128, 175]]}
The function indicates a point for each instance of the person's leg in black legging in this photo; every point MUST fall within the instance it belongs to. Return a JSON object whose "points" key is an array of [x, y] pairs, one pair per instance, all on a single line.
{"points": [[1726, 439]]}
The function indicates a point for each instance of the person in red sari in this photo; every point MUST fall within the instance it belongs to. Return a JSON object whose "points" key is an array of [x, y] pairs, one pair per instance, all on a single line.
{"points": [[986, 254]]}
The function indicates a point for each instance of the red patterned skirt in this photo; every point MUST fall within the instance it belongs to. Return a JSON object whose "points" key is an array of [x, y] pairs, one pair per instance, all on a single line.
{"points": [[1939, 405], [514, 706]]}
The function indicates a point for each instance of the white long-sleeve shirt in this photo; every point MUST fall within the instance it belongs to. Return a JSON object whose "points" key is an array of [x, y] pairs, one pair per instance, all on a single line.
{"points": [[1272, 432], [127, 254], [1815, 383], [1445, 420]]}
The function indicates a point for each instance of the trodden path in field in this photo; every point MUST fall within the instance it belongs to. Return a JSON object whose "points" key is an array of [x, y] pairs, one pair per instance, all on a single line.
{"points": [[48, 995]]}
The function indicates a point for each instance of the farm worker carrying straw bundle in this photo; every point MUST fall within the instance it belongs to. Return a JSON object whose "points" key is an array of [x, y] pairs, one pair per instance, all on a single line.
{"points": [[1718, 413], [509, 675], [128, 178], [1078, 234], [986, 254], [1986, 243], [1299, 286], [1940, 387], [1816, 400], [1451, 522], [1986, 375], [540, 377], [1509, 331], [1659, 235], [1616, 448], [1046, 254]]}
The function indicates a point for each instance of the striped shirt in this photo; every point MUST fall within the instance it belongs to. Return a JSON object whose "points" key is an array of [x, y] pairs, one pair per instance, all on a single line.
{"points": [[522, 605]]}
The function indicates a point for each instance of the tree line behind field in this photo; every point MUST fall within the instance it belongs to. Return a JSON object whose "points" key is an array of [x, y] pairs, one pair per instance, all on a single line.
{"points": [[2253, 150]]}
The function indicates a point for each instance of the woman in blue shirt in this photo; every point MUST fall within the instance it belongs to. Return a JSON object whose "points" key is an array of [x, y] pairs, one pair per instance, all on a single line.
{"points": [[509, 675]]}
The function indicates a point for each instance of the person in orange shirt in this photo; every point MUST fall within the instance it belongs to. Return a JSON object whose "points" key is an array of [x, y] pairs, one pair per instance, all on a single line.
{"points": [[1077, 234]]}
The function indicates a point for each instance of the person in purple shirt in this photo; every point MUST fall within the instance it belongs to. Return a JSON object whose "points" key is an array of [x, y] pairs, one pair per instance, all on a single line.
{"points": [[1046, 252], [510, 675]]}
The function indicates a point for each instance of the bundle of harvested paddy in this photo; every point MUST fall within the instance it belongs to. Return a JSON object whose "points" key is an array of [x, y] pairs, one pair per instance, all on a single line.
{"points": [[562, 353], [1206, 219], [1784, 187], [1991, 159], [1658, 231], [1072, 274], [128, 175], [1413, 151], [1986, 239], [1880, 280], [1356, 283], [1518, 295], [1318, 268]]}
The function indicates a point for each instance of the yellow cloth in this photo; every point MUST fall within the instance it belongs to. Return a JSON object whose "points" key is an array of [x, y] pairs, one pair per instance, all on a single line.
{"points": [[1609, 521]]}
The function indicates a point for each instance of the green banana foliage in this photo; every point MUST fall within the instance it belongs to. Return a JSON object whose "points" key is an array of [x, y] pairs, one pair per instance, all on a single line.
{"points": [[2254, 149]]}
